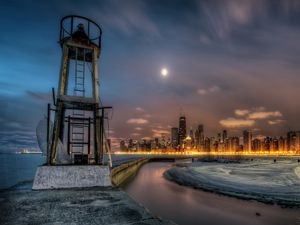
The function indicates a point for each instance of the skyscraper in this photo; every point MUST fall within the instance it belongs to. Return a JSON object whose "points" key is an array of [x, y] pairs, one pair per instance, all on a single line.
{"points": [[174, 137], [297, 142], [256, 145], [201, 136], [224, 135], [247, 138], [291, 135], [182, 129]]}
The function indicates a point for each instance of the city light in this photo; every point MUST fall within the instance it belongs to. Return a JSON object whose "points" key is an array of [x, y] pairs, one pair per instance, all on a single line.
{"points": [[195, 142], [213, 153]]}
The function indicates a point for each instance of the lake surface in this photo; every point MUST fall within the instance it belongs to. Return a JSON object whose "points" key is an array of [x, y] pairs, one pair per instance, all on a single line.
{"points": [[184, 205], [17, 168]]}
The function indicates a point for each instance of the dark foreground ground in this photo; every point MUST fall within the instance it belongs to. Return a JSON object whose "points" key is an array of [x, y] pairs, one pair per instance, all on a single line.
{"points": [[79, 206]]}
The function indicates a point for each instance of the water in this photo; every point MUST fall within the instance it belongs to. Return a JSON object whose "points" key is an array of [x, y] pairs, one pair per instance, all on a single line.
{"points": [[16, 168], [184, 205]]}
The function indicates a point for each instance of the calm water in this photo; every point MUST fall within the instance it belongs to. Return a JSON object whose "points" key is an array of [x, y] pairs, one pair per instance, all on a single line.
{"points": [[16, 168], [185, 205]]}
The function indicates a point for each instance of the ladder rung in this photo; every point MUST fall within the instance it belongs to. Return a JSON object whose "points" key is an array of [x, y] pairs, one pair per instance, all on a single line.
{"points": [[77, 146], [77, 133], [78, 143], [77, 140]]}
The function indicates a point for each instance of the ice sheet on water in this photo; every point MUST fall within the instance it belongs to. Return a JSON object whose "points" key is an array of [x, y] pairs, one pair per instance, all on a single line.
{"points": [[261, 179]]}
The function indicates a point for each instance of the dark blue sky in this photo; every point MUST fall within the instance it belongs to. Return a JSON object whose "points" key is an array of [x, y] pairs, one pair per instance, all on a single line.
{"points": [[232, 64]]}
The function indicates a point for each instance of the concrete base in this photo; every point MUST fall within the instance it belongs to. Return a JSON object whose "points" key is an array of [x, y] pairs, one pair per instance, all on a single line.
{"points": [[56, 177]]}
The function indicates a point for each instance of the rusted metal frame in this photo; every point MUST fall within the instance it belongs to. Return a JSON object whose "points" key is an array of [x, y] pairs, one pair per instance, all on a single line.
{"points": [[69, 135], [48, 133], [89, 136]]}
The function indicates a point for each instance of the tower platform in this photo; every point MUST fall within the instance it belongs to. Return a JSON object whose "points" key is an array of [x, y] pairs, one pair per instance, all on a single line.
{"points": [[75, 176]]}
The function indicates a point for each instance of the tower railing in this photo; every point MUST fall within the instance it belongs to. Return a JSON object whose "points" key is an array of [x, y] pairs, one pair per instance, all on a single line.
{"points": [[68, 26]]}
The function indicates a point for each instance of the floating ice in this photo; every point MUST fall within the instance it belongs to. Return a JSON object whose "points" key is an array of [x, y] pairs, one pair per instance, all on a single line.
{"points": [[261, 179]]}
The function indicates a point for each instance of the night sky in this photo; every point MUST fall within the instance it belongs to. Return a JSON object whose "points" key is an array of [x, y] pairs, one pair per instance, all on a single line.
{"points": [[232, 65]]}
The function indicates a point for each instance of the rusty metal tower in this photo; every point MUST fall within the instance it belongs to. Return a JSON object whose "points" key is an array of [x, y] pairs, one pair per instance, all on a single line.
{"points": [[78, 129]]}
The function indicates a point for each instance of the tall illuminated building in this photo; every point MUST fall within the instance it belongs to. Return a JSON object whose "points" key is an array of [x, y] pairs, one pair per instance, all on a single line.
{"points": [[182, 129], [247, 138], [199, 137], [207, 144], [274, 145], [297, 142], [224, 135], [122, 145], [234, 144], [174, 137], [290, 140], [282, 144], [256, 145]]}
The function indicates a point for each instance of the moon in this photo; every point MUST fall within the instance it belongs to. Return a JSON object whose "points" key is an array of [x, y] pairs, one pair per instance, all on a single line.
{"points": [[164, 72]]}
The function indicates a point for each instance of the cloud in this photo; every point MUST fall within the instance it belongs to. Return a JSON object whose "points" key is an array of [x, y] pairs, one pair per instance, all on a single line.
{"points": [[146, 138], [147, 115], [139, 109], [274, 122], [241, 112], [236, 123], [44, 96], [159, 132], [260, 136], [213, 89], [264, 115], [111, 131], [137, 121], [138, 128], [135, 134]]}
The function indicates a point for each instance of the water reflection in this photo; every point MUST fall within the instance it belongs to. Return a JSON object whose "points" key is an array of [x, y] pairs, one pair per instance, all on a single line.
{"points": [[184, 205]]}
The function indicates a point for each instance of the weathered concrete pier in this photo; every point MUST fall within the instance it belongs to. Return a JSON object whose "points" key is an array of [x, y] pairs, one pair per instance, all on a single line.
{"points": [[73, 206]]}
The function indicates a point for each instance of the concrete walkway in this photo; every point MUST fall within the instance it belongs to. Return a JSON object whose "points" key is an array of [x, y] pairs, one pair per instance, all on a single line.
{"points": [[107, 206]]}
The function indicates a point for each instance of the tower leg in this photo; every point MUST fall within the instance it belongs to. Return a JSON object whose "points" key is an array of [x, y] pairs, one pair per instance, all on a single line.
{"points": [[97, 137], [56, 132], [60, 111]]}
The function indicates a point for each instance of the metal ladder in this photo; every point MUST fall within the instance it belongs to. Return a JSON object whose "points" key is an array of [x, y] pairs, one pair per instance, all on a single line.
{"points": [[79, 89], [78, 132], [78, 127]]}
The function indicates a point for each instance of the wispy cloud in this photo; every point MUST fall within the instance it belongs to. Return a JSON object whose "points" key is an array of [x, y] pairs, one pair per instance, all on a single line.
{"points": [[159, 132], [203, 91], [241, 112], [140, 109], [137, 121], [237, 123], [264, 114], [274, 122]]}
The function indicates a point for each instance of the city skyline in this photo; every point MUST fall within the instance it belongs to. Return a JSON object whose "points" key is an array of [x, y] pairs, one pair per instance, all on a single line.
{"points": [[180, 139], [225, 67]]}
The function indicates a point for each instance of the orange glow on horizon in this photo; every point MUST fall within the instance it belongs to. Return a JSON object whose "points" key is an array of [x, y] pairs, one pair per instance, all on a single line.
{"points": [[229, 153]]}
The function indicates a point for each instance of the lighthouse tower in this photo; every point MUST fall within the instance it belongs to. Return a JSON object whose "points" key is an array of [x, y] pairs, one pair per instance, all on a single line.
{"points": [[77, 134]]}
